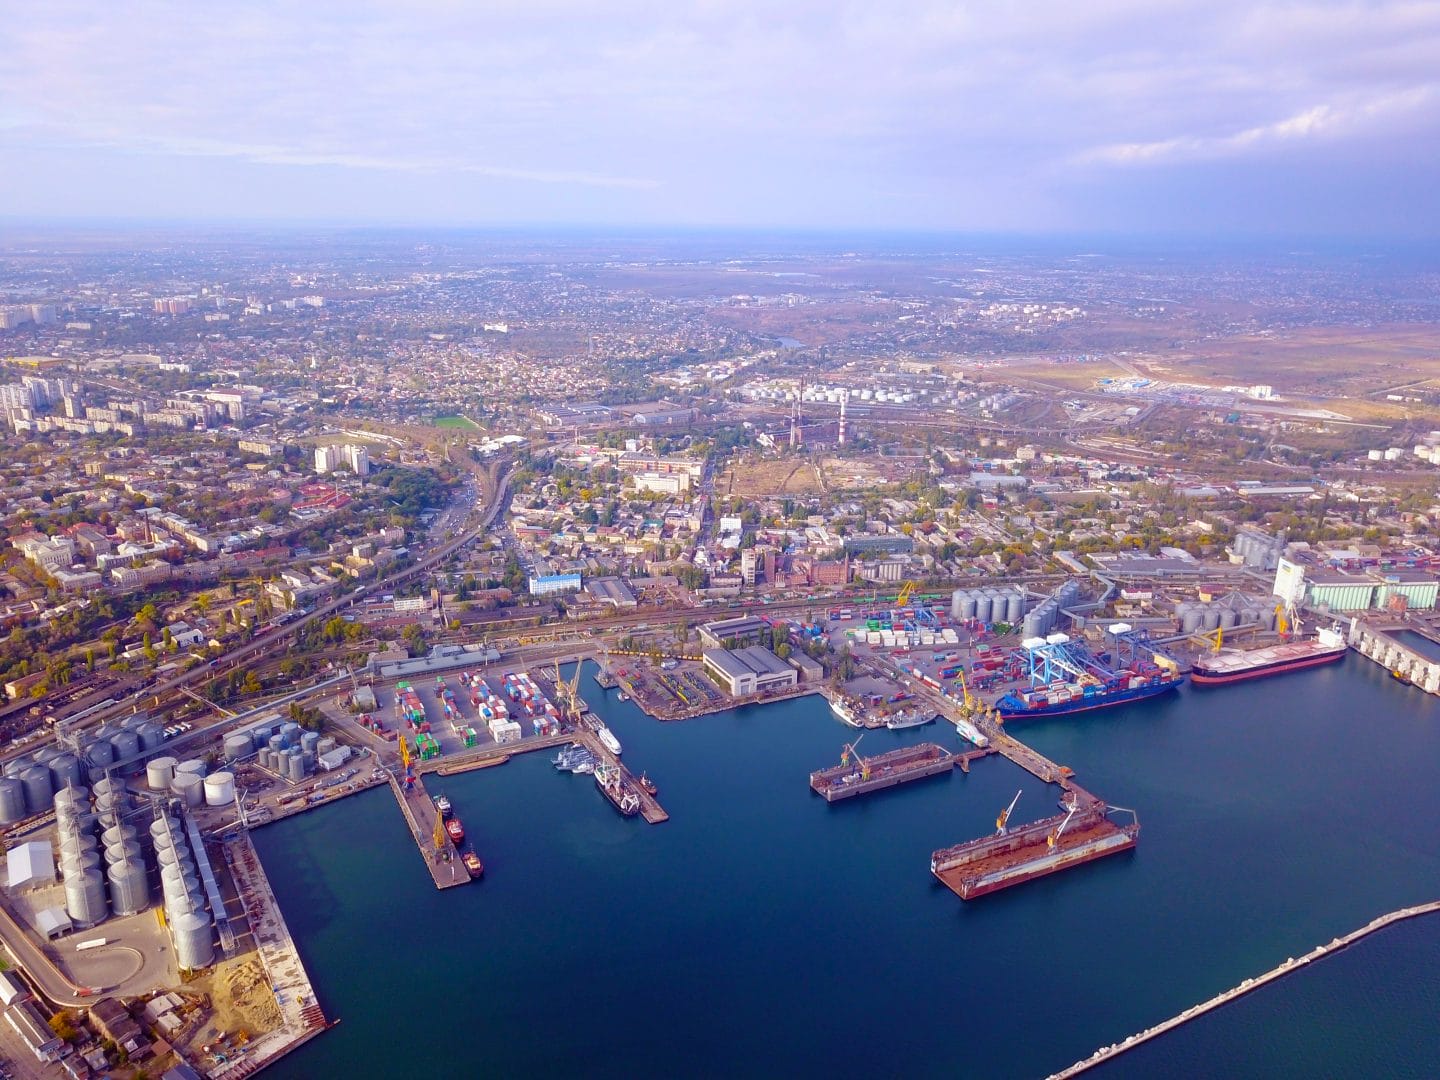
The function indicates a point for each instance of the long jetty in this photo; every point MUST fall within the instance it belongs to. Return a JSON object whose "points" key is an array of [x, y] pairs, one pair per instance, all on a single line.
{"points": [[1293, 964], [301, 1015]]}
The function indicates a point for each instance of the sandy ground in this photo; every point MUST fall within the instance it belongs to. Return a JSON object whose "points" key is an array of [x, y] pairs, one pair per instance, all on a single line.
{"points": [[240, 997]]}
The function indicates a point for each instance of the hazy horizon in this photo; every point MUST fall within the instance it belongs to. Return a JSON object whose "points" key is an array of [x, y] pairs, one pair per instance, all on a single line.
{"points": [[1120, 117]]}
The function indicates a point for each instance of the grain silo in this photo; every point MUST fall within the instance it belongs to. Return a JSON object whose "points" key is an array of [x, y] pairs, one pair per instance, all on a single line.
{"points": [[220, 789], [1015, 607], [194, 942], [39, 790], [12, 800], [85, 898], [129, 887], [160, 772]]}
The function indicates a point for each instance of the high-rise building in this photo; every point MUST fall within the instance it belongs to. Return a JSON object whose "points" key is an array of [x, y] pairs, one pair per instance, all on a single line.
{"points": [[358, 458], [327, 459]]}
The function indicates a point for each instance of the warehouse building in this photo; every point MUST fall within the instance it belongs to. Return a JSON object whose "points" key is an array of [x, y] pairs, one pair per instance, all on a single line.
{"points": [[742, 672]]}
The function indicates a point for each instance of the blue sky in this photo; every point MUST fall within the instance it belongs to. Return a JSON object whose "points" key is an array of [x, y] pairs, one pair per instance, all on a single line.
{"points": [[1101, 115]]}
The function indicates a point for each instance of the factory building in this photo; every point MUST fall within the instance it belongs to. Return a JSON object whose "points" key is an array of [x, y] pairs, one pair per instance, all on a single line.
{"points": [[742, 631]]}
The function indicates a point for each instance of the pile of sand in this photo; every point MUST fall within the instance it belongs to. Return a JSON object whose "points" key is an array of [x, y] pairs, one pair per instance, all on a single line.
{"points": [[241, 997]]}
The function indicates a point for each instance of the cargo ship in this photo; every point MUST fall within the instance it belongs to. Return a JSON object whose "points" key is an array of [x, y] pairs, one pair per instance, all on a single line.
{"points": [[1066, 677], [1012, 857], [610, 779], [455, 830], [473, 866], [860, 776], [1326, 647]]}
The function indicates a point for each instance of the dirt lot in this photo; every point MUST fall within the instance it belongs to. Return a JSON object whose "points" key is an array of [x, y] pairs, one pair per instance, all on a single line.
{"points": [[760, 478], [240, 997]]}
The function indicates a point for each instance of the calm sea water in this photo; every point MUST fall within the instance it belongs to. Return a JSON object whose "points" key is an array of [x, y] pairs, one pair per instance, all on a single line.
{"points": [[762, 932]]}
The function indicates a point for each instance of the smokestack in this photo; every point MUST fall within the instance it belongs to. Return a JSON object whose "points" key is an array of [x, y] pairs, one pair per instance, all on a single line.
{"points": [[844, 398]]}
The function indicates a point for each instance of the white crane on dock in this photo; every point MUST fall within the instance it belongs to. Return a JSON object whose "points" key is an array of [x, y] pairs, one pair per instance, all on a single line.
{"points": [[1054, 837], [1004, 819]]}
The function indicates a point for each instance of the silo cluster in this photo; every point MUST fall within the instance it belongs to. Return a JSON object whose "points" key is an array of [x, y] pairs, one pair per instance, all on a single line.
{"points": [[1044, 617], [1257, 549], [285, 749], [191, 925], [1196, 617], [988, 605], [28, 783]]}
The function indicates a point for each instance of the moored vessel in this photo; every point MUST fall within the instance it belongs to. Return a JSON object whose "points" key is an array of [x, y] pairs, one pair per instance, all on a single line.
{"points": [[610, 779], [1326, 647], [843, 710], [473, 866], [442, 805], [608, 740], [912, 718], [455, 830]]}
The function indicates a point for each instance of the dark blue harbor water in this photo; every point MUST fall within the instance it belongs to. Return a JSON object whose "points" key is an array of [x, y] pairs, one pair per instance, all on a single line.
{"points": [[764, 932]]}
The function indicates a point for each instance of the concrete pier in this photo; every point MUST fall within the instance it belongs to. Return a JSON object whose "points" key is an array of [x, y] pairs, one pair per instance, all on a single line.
{"points": [[301, 1016], [420, 813], [1105, 1053], [1374, 640]]}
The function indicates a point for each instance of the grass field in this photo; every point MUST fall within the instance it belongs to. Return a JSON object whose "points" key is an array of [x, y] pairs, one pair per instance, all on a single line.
{"points": [[457, 423]]}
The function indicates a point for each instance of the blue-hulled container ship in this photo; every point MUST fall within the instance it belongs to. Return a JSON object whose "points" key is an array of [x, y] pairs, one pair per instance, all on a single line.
{"points": [[1066, 677]]}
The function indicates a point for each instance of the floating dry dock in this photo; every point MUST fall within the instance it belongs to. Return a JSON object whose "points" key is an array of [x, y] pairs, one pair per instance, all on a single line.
{"points": [[1030, 851], [864, 775]]}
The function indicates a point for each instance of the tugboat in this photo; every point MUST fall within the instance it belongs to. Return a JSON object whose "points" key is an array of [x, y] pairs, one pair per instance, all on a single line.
{"points": [[648, 784], [473, 866], [455, 830], [442, 804]]}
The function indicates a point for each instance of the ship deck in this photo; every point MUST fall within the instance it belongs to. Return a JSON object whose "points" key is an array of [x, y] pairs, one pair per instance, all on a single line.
{"points": [[886, 770], [962, 868], [1225, 663]]}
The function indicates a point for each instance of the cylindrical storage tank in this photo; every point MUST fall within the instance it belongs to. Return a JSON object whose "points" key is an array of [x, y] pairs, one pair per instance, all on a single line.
{"points": [[111, 806], [309, 740], [65, 771], [1229, 617], [982, 607], [12, 800], [39, 791], [325, 745], [152, 736], [72, 839], [126, 744], [1212, 617], [159, 773], [17, 765], [295, 767], [957, 602], [194, 765], [164, 826], [1030, 628], [117, 834], [129, 887], [190, 787], [72, 798], [290, 732], [276, 742], [220, 789], [194, 942], [1014, 608], [181, 904], [237, 747], [174, 856], [85, 898], [175, 881], [967, 605], [108, 786], [78, 861], [1193, 619], [129, 850]]}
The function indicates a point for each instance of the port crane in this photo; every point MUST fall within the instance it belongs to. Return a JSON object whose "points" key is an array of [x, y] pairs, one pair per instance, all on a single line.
{"points": [[906, 591], [1054, 837], [1004, 819], [1287, 622], [850, 752]]}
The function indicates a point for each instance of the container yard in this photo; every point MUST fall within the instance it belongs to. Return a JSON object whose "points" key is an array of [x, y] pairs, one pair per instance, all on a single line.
{"points": [[856, 775], [1085, 832]]}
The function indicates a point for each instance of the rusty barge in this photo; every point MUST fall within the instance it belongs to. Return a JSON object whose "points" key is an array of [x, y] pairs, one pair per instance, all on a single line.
{"points": [[1014, 856], [856, 775]]}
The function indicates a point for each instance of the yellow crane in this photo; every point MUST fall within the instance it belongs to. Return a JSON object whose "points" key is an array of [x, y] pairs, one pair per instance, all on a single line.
{"points": [[1004, 818], [1054, 837], [441, 837], [404, 749], [850, 752], [969, 700], [906, 591]]}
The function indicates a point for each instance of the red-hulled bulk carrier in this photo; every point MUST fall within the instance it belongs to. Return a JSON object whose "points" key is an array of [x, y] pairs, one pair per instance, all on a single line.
{"points": [[1326, 647], [1030, 851]]}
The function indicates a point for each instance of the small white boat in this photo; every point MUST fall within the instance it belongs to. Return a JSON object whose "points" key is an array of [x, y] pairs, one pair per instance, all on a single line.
{"points": [[608, 740]]}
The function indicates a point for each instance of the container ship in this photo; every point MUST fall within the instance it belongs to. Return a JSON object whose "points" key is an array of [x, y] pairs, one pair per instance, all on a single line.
{"points": [[1326, 647], [1066, 677], [860, 776], [992, 863]]}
